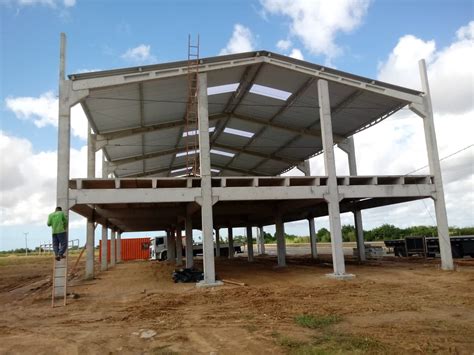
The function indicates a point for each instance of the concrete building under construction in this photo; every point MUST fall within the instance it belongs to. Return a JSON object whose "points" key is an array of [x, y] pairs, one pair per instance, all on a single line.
{"points": [[257, 115]]}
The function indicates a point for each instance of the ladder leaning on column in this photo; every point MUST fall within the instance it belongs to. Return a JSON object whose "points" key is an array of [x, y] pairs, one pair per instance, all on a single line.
{"points": [[59, 280]]}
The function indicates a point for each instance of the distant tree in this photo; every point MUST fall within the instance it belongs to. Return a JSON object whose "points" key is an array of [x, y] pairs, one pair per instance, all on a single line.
{"points": [[348, 233], [323, 235]]}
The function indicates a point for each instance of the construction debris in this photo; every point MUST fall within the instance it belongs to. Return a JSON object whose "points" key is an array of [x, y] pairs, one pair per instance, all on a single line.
{"points": [[187, 275]]}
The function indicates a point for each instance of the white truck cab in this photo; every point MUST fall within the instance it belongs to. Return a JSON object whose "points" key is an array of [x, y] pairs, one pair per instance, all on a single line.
{"points": [[158, 248]]}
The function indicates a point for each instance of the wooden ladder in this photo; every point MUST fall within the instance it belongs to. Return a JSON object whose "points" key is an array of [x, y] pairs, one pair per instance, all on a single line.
{"points": [[59, 281]]}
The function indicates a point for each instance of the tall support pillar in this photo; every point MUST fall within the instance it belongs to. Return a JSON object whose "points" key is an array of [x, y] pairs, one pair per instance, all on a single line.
{"points": [[206, 187], [426, 112], [218, 243], [249, 243], [261, 240], [112, 248], [230, 240], [171, 245], [90, 232], [119, 246], [312, 238], [348, 147], [179, 246], [189, 241], [103, 251], [280, 239], [332, 197]]}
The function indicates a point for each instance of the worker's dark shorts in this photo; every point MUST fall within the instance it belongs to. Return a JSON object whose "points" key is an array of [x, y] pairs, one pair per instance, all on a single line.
{"points": [[59, 243]]}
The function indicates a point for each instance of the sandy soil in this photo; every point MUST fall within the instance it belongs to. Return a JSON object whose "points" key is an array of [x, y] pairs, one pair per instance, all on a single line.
{"points": [[392, 306]]}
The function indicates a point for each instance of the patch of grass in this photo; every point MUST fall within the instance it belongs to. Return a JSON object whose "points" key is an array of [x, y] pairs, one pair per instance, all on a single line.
{"points": [[162, 350], [334, 343], [317, 322]]}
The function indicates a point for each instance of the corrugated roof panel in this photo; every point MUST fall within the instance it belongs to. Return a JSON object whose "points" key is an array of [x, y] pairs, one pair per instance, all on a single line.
{"points": [[124, 147], [271, 167], [161, 140], [228, 76], [246, 161], [281, 78], [254, 105], [217, 103], [114, 108], [270, 140]]}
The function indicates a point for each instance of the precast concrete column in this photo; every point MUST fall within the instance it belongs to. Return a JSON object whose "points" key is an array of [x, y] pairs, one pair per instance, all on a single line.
{"points": [[348, 147], [171, 239], [189, 241], [230, 237], [218, 243], [112, 248], [206, 187], [332, 197], [103, 251], [89, 272], [312, 238], [64, 135], [249, 244], [261, 240], [119, 247], [280, 239], [435, 171], [179, 246]]}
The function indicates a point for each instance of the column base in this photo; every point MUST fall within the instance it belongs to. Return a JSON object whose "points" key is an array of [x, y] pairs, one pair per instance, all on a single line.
{"points": [[340, 277], [203, 284]]}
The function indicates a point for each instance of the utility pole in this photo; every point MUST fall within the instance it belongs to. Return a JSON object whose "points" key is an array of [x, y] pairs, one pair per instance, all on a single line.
{"points": [[26, 243]]}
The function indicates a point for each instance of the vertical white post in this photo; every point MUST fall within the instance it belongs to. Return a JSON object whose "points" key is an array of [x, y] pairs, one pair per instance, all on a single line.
{"points": [[206, 187], [218, 243], [119, 246], [435, 171], [332, 197], [348, 147], [262, 240], [90, 232], [179, 246], [312, 238], [230, 237], [64, 132], [103, 256], [112, 248], [280, 239], [249, 244], [189, 241]]}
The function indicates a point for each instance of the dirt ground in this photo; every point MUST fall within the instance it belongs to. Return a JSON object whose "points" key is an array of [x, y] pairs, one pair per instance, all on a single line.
{"points": [[391, 306]]}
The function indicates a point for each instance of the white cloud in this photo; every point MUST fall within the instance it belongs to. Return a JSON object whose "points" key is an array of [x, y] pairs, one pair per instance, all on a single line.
{"points": [[43, 111], [296, 53], [283, 44], [316, 23], [400, 139], [50, 3], [449, 70], [140, 54], [242, 40]]}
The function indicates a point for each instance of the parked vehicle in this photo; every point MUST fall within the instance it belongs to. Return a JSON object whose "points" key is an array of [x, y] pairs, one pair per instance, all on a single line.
{"points": [[159, 248], [429, 246]]}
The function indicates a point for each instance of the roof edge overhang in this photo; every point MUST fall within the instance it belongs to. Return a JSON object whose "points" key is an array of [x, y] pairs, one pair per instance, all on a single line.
{"points": [[234, 57]]}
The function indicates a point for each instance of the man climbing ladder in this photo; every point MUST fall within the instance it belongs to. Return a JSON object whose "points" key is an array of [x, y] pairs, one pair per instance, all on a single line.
{"points": [[58, 223]]}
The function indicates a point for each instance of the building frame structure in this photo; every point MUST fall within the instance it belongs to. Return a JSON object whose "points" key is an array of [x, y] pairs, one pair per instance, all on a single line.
{"points": [[136, 117]]}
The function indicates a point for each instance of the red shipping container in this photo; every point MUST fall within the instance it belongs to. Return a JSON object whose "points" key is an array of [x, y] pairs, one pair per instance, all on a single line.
{"points": [[132, 249]]}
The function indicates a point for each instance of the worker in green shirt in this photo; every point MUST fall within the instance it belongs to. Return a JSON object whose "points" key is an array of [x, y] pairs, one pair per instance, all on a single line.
{"points": [[58, 223]]}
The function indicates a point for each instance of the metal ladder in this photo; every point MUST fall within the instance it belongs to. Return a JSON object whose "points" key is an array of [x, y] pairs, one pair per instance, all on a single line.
{"points": [[59, 280]]}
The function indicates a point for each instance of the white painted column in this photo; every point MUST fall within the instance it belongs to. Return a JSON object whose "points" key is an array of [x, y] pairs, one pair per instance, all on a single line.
{"points": [[206, 187], [280, 239], [90, 231], [119, 247], [348, 147], [312, 238], [112, 248], [249, 244], [435, 171], [103, 256], [179, 246], [332, 197], [189, 241], [218, 243], [230, 237], [262, 240]]}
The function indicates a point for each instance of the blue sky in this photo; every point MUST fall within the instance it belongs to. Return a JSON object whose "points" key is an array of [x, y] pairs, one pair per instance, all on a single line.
{"points": [[101, 32]]}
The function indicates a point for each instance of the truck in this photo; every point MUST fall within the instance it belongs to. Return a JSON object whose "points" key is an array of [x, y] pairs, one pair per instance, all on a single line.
{"points": [[461, 246], [159, 248]]}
